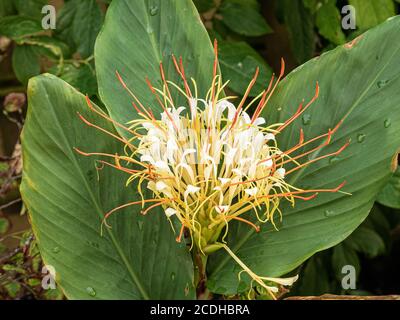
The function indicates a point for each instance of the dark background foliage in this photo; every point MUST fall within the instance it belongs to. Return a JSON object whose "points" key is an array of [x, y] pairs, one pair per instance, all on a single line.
{"points": [[250, 33]]}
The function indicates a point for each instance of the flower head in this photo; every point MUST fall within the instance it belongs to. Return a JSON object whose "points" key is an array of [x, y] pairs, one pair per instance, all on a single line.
{"points": [[208, 161]]}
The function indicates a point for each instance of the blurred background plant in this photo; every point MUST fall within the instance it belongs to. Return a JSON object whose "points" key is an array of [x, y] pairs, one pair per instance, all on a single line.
{"points": [[251, 33]]}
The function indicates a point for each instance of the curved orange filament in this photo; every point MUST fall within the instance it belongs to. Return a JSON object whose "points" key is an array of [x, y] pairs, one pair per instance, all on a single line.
{"points": [[257, 228], [105, 131], [103, 115], [179, 238]]}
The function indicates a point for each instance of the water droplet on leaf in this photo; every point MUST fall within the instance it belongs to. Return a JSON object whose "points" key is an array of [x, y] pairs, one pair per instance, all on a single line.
{"points": [[153, 10], [56, 249], [173, 276], [149, 30], [361, 138], [306, 119], [382, 83], [91, 291], [329, 213], [334, 160], [387, 123]]}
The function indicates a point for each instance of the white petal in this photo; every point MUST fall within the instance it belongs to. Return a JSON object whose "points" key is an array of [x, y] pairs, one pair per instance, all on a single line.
{"points": [[283, 281], [160, 185], [268, 163], [280, 173], [146, 158], [259, 121], [170, 212], [269, 136], [161, 165], [251, 191], [191, 189], [221, 209], [224, 180]]}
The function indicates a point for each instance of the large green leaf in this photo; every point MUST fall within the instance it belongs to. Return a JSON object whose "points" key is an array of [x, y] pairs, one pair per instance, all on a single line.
{"points": [[390, 194], [136, 36], [370, 13], [139, 257], [79, 23], [238, 62], [300, 24], [359, 80], [26, 63], [244, 18]]}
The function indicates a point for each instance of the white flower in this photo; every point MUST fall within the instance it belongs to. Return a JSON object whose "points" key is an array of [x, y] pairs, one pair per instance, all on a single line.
{"points": [[251, 192], [169, 212], [222, 209], [280, 173]]}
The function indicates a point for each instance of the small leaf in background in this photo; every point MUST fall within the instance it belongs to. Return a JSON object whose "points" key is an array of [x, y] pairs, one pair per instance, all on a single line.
{"points": [[4, 225], [25, 62], [244, 19], [367, 241], [328, 21], [370, 13], [12, 288], [3, 248], [31, 8], [390, 194], [238, 62], [342, 256], [48, 46], [81, 76], [315, 278], [78, 24], [300, 24], [16, 27], [6, 8], [204, 5], [312, 5]]}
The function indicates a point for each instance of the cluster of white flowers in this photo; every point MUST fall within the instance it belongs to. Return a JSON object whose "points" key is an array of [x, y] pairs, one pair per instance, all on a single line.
{"points": [[206, 161]]}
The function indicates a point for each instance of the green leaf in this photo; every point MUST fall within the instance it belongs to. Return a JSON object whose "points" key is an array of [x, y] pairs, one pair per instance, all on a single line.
{"points": [[4, 225], [312, 5], [16, 27], [366, 241], [300, 24], [244, 19], [6, 8], [342, 256], [31, 8], [370, 13], [81, 76], [78, 24], [390, 194], [238, 63], [359, 82], [315, 278], [328, 21], [139, 257], [204, 5], [12, 288], [25, 62], [133, 42]]}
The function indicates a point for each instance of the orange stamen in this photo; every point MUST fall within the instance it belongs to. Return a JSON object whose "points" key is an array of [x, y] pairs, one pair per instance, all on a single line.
{"points": [[257, 228]]}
